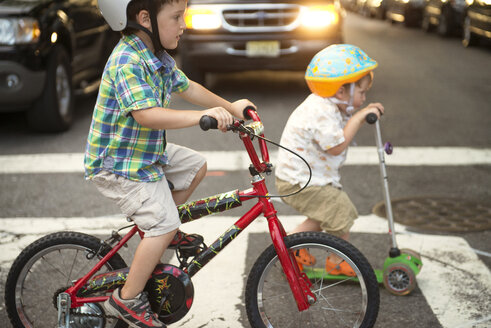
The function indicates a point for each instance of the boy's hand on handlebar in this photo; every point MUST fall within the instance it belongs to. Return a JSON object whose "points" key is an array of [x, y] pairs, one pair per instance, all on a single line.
{"points": [[376, 108], [222, 116], [239, 106]]}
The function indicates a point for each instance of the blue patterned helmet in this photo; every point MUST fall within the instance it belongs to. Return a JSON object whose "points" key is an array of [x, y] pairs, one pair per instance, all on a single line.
{"points": [[335, 66]]}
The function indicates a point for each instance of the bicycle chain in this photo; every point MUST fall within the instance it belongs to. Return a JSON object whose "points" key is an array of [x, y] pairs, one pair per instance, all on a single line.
{"points": [[103, 316]]}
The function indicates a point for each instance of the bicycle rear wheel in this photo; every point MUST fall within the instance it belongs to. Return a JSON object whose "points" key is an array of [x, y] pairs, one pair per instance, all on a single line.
{"points": [[47, 267], [342, 301]]}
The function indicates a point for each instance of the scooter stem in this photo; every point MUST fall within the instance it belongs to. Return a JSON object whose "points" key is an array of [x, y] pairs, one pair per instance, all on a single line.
{"points": [[385, 183]]}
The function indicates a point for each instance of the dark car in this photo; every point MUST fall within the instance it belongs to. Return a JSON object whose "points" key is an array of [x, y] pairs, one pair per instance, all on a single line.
{"points": [[50, 50], [231, 35], [409, 12], [446, 16], [477, 22], [375, 8]]}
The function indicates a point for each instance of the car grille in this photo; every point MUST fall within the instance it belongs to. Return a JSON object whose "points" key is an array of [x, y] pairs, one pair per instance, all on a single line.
{"points": [[270, 17]]}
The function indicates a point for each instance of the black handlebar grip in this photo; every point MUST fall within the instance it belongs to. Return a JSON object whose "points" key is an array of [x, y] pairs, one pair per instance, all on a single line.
{"points": [[371, 118], [246, 116], [207, 122]]}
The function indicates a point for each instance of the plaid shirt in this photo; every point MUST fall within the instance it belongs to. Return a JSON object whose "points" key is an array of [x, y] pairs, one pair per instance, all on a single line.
{"points": [[133, 79]]}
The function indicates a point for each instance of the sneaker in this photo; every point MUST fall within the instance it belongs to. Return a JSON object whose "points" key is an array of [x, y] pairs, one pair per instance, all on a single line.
{"points": [[183, 239], [342, 268], [303, 257], [135, 312]]}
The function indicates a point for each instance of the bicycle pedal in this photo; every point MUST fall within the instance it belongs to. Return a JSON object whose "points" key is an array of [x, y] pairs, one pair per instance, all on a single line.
{"points": [[187, 242]]}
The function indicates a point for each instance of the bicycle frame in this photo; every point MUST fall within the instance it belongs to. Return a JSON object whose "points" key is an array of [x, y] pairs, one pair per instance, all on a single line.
{"points": [[299, 283]]}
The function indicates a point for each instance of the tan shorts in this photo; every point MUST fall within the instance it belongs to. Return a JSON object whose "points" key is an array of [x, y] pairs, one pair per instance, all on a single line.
{"points": [[326, 204], [150, 204]]}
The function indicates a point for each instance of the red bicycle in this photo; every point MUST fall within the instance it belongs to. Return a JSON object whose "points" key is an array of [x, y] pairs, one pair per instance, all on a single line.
{"points": [[62, 279]]}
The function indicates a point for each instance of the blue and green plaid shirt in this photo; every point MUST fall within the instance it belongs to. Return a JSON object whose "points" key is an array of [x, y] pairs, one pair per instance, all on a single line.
{"points": [[133, 79]]}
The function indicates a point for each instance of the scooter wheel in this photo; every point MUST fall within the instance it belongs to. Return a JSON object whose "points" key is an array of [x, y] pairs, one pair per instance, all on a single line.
{"points": [[399, 279]]}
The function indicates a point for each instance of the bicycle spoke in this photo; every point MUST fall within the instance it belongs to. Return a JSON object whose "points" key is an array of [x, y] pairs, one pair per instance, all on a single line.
{"points": [[43, 258], [71, 268]]}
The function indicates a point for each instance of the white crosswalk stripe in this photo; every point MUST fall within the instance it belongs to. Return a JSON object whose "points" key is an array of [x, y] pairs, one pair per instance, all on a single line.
{"points": [[239, 160]]}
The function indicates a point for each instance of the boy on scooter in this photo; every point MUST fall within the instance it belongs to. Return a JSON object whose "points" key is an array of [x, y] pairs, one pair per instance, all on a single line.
{"points": [[320, 130]]}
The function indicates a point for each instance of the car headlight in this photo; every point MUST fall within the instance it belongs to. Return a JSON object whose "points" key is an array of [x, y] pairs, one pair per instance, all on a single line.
{"points": [[202, 18], [19, 30], [319, 16]]}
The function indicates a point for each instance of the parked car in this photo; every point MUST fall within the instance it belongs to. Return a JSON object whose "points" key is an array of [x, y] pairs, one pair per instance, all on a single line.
{"points": [[477, 22], [409, 12], [50, 50], [376, 8], [446, 16], [229, 35]]}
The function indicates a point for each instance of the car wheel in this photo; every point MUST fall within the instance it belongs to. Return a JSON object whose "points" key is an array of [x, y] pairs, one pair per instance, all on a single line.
{"points": [[468, 39], [380, 13], [444, 24], [409, 20], [426, 24], [191, 71], [53, 112]]}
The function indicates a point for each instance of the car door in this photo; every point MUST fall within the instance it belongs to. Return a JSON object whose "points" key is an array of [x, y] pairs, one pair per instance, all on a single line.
{"points": [[89, 27]]}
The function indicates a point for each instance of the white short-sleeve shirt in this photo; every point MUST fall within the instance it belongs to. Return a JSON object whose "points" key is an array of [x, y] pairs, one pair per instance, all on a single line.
{"points": [[315, 126]]}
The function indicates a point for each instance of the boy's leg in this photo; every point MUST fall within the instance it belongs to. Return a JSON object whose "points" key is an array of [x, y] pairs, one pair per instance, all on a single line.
{"points": [[181, 196], [147, 256], [307, 225], [186, 169]]}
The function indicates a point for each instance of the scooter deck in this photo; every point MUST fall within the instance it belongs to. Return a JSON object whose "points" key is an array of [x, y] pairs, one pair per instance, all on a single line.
{"points": [[320, 273]]}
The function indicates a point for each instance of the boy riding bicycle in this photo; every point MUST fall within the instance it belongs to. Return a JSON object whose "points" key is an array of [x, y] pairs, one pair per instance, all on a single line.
{"points": [[320, 130], [127, 156]]}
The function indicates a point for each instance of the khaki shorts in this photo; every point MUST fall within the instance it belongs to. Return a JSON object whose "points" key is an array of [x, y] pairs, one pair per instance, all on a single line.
{"points": [[326, 204], [150, 204]]}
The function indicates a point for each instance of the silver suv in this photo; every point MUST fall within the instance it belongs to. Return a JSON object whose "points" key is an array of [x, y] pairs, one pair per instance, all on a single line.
{"points": [[239, 35]]}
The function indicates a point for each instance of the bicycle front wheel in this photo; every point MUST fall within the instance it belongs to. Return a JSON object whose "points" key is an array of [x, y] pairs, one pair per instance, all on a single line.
{"points": [[47, 267], [342, 301]]}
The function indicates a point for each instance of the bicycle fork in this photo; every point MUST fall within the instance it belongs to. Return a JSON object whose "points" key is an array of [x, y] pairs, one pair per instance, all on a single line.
{"points": [[298, 281]]}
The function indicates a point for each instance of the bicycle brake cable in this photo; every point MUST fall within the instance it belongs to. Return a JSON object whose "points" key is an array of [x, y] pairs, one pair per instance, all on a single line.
{"points": [[249, 132]]}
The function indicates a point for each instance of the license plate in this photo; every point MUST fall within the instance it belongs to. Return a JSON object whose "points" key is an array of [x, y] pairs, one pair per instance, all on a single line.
{"points": [[263, 48]]}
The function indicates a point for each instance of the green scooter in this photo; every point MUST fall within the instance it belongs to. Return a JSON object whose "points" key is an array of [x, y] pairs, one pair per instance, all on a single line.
{"points": [[402, 265]]}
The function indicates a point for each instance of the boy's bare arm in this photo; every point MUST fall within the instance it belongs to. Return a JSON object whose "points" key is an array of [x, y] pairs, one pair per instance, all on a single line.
{"points": [[354, 125], [159, 118], [199, 95]]}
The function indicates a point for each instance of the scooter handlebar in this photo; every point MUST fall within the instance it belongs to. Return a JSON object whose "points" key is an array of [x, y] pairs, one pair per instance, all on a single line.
{"points": [[371, 118]]}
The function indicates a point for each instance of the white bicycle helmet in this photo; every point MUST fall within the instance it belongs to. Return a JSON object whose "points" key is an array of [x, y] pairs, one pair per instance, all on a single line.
{"points": [[114, 12]]}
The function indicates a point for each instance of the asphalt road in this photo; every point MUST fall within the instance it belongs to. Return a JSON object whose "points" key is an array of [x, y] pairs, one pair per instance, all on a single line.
{"points": [[436, 94]]}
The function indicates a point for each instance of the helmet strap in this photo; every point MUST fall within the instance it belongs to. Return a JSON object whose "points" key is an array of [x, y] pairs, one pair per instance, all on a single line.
{"points": [[158, 48], [350, 108], [154, 36]]}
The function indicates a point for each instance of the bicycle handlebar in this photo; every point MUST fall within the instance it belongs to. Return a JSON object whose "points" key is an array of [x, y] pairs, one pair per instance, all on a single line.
{"points": [[251, 130], [207, 122], [371, 118]]}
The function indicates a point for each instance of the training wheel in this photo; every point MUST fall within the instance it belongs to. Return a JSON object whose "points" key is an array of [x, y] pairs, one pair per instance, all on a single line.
{"points": [[399, 279]]}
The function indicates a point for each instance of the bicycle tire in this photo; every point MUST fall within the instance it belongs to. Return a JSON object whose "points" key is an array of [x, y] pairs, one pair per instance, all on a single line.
{"points": [[270, 302], [31, 287]]}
